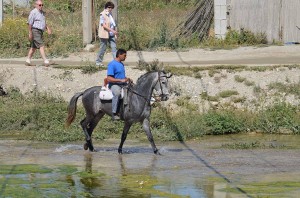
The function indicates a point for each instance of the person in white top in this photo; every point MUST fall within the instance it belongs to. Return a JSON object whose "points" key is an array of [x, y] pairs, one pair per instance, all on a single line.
{"points": [[36, 26], [107, 32]]}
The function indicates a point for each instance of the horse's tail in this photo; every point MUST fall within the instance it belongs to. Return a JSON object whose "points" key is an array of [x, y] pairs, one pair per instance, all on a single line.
{"points": [[72, 109]]}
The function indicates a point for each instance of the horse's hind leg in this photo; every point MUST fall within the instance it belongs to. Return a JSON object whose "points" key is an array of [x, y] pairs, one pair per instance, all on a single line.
{"points": [[85, 125], [124, 135], [146, 127], [88, 125]]}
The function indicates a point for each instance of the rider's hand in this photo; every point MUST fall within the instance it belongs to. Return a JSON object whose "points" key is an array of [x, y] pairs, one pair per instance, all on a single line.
{"points": [[128, 80]]}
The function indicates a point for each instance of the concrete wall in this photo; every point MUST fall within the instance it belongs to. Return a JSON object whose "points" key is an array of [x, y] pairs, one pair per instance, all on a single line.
{"points": [[220, 18], [290, 18], [277, 18], [24, 3]]}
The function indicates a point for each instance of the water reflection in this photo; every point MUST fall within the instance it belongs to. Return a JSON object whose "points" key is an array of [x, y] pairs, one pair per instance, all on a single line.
{"points": [[137, 179], [106, 186]]}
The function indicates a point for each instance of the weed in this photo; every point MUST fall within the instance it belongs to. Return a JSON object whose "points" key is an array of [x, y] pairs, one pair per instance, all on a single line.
{"points": [[198, 75], [234, 39], [164, 39], [205, 96], [239, 99], [212, 72], [89, 69], [245, 37], [257, 90], [66, 76], [227, 93], [293, 88], [239, 79], [155, 65], [217, 79], [249, 83], [184, 102]]}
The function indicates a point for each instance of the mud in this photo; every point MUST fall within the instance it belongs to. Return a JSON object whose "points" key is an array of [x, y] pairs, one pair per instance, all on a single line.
{"points": [[207, 167]]}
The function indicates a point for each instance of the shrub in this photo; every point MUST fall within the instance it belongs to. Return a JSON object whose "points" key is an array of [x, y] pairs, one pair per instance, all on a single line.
{"points": [[279, 116], [224, 122], [245, 37], [14, 38]]}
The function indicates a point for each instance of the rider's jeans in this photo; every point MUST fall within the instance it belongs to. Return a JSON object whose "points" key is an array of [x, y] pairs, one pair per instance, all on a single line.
{"points": [[116, 90]]}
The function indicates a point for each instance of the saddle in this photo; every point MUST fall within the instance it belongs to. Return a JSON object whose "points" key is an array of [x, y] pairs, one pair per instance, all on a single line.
{"points": [[106, 94]]}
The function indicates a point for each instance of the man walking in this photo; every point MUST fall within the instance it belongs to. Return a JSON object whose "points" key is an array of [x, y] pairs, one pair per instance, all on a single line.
{"points": [[36, 26]]}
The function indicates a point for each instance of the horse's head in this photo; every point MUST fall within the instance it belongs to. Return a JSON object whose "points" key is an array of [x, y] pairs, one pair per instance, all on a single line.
{"points": [[161, 87]]}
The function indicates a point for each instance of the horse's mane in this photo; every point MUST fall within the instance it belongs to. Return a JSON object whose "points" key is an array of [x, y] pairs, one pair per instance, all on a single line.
{"points": [[146, 74]]}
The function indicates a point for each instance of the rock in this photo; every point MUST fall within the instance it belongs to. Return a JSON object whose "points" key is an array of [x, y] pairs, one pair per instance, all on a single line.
{"points": [[89, 47], [2, 91]]}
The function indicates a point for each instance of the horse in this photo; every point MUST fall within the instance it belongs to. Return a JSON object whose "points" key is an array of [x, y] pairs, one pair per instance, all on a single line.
{"points": [[136, 109]]}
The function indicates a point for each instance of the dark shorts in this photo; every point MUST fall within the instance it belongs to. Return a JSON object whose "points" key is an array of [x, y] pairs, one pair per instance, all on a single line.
{"points": [[37, 40]]}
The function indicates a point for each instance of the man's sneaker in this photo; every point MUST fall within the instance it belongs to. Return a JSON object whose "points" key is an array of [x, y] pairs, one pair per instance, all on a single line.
{"points": [[115, 117], [29, 64], [47, 63], [99, 64]]}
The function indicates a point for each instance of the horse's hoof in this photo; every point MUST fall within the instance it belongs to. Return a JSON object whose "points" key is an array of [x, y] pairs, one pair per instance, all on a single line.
{"points": [[92, 149], [156, 152], [85, 146], [120, 151]]}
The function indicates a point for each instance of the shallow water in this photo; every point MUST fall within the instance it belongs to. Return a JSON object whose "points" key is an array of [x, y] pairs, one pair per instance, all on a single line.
{"points": [[209, 167]]}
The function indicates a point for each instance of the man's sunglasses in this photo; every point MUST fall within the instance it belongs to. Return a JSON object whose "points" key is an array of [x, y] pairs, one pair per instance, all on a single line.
{"points": [[41, 5]]}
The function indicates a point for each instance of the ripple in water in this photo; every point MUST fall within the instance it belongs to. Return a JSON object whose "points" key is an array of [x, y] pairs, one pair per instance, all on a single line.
{"points": [[67, 147]]}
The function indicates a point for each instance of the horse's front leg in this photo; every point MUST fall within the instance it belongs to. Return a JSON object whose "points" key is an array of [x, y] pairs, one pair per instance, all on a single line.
{"points": [[146, 127], [124, 135]]}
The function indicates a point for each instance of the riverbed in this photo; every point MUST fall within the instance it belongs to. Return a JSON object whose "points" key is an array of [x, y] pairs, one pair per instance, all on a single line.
{"points": [[252, 165]]}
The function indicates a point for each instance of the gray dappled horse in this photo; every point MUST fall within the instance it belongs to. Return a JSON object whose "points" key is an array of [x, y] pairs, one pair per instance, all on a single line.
{"points": [[137, 109]]}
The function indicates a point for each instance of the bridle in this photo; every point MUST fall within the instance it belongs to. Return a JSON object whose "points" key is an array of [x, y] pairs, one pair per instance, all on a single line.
{"points": [[160, 84], [148, 100]]}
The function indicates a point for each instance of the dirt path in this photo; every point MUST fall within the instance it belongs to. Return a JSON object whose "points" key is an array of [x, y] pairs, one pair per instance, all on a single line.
{"points": [[271, 55]]}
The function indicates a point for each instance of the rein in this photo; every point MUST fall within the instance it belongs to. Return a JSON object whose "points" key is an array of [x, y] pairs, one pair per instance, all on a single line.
{"points": [[138, 94]]}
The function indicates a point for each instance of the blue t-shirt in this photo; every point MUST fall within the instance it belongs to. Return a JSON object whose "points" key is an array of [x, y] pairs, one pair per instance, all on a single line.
{"points": [[116, 69]]}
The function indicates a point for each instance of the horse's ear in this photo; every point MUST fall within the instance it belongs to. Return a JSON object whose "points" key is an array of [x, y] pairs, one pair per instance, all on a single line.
{"points": [[169, 75]]}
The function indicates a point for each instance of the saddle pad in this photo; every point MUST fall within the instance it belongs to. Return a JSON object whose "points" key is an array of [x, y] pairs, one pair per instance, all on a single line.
{"points": [[106, 94]]}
